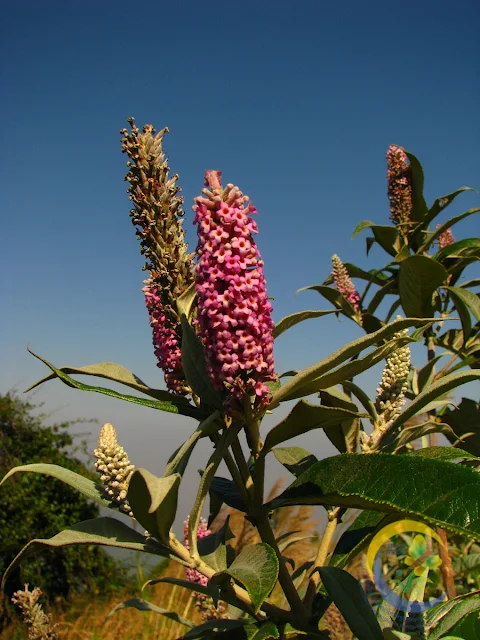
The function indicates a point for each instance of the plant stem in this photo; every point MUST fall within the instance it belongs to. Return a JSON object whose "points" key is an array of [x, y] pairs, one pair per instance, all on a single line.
{"points": [[260, 516], [323, 549]]}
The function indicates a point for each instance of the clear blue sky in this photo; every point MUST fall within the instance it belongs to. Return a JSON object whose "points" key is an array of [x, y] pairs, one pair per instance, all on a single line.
{"points": [[296, 102]]}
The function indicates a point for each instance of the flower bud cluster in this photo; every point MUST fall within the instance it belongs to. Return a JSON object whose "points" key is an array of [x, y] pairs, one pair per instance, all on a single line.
{"points": [[399, 188], [114, 466], [234, 313], [391, 392], [40, 625], [344, 284], [445, 238], [203, 603], [157, 215]]}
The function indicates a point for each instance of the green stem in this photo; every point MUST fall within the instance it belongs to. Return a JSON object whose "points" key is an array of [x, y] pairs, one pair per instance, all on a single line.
{"points": [[323, 549]]}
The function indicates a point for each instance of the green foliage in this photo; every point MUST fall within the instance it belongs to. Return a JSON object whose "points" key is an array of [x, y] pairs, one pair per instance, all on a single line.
{"points": [[30, 505]]}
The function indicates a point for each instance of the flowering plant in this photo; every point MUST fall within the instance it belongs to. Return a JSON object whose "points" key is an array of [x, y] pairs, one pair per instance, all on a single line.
{"points": [[213, 336]]}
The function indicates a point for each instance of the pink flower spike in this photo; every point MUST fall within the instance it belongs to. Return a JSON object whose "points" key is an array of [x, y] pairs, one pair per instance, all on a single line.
{"points": [[236, 329]]}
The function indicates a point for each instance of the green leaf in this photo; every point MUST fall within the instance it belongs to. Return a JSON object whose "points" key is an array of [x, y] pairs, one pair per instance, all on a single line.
{"points": [[446, 225], [154, 501], [295, 318], [226, 491], [427, 373], [102, 531], [115, 373], [419, 277], [409, 434], [374, 276], [389, 288], [443, 453], [255, 568], [333, 296], [357, 536], [344, 437], [445, 616], [213, 548], [434, 391], [295, 459], [350, 599], [186, 302], [469, 299], [213, 629], [388, 238], [442, 203], [364, 224], [193, 360], [360, 394], [393, 484], [176, 404], [419, 206], [352, 349], [305, 417], [456, 249], [261, 631], [143, 605], [463, 420], [91, 490]]}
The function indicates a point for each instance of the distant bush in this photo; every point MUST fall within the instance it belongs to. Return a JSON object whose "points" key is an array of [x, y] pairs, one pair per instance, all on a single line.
{"points": [[29, 506]]}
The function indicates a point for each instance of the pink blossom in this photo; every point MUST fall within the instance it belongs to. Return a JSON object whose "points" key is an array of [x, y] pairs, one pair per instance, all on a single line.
{"points": [[445, 238], [233, 307], [166, 340], [399, 187], [344, 284], [203, 531]]}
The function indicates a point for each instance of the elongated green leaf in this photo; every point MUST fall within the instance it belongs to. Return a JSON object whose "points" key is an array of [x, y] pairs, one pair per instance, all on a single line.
{"points": [[392, 484], [434, 391], [419, 277], [227, 492], [345, 436], [350, 598], [441, 203], [115, 373], [256, 568], [364, 224], [154, 501], [193, 360], [374, 275], [389, 288], [102, 531], [143, 605], [348, 370], [427, 373], [295, 459], [456, 249], [470, 299], [174, 405], [443, 453], [419, 206], [186, 302], [410, 434], [446, 225], [302, 378], [333, 296], [91, 490], [360, 394], [305, 417], [446, 615], [213, 629], [295, 318]]}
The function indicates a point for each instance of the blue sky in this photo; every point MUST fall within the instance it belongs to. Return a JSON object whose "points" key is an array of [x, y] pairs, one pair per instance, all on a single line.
{"points": [[294, 102]]}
